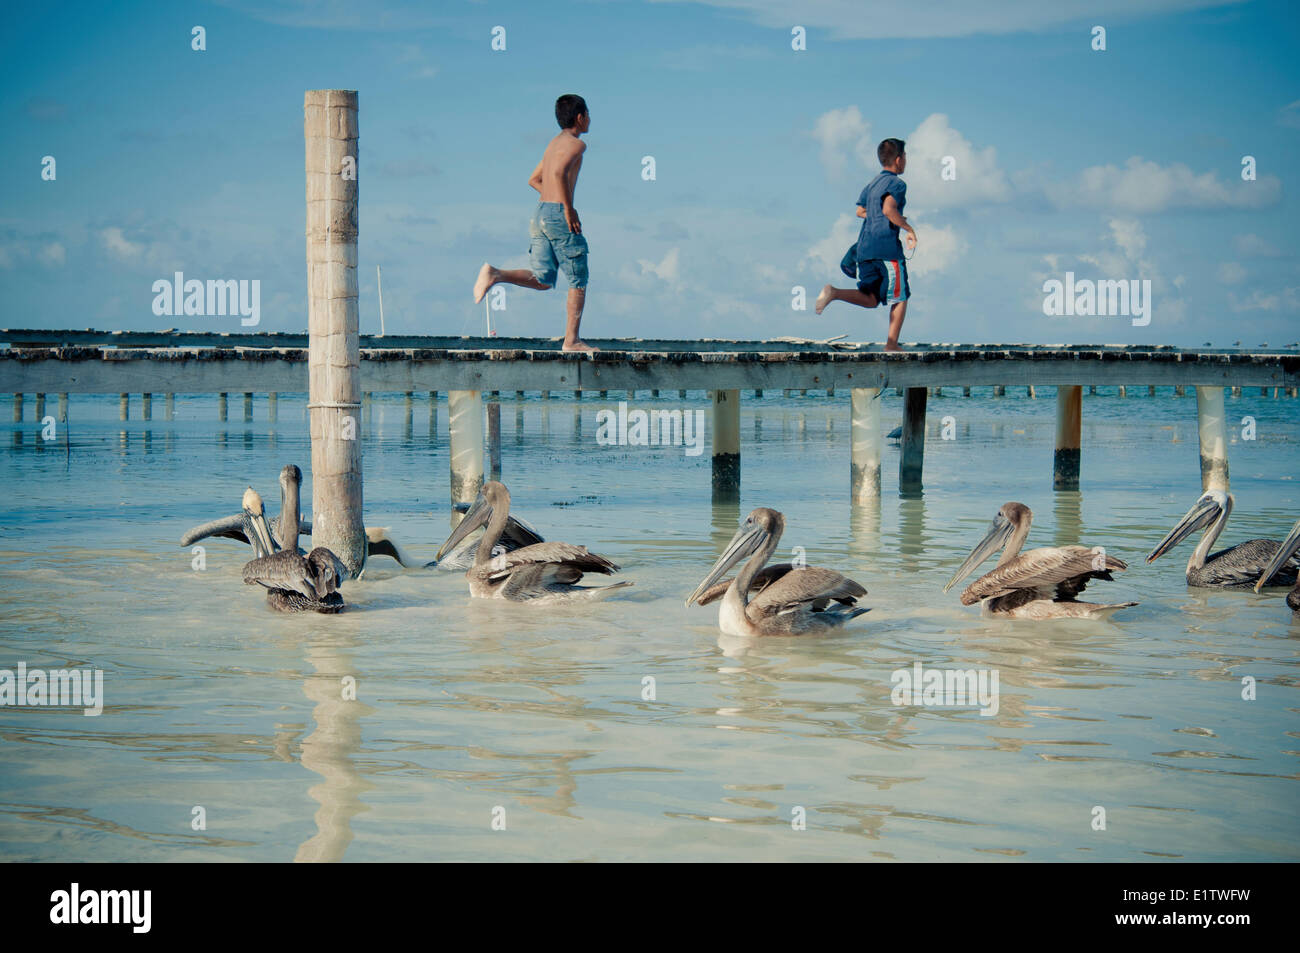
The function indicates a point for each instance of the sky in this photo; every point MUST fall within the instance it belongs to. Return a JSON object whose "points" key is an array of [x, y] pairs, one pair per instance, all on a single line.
{"points": [[1122, 163]]}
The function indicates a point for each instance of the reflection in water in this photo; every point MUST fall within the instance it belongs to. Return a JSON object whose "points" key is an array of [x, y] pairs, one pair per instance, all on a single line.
{"points": [[1067, 509], [912, 538], [329, 750]]}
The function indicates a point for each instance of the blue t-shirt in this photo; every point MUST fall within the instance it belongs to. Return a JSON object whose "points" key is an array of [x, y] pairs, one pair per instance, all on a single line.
{"points": [[878, 238]]}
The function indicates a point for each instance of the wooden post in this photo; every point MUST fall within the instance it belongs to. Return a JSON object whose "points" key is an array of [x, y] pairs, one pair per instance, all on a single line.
{"points": [[221, 407], [40, 407], [1180, 390], [124, 406], [726, 444], [330, 132], [1151, 390], [1069, 421], [1211, 422], [273, 407], [1033, 394], [911, 461], [1236, 392], [248, 406], [681, 395], [63, 408], [965, 391], [999, 390], [148, 406], [1123, 391], [465, 410], [169, 405], [864, 464], [494, 439], [18, 408]]}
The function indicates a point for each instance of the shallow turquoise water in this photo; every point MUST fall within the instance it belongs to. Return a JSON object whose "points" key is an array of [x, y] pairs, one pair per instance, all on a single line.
{"points": [[464, 708]]}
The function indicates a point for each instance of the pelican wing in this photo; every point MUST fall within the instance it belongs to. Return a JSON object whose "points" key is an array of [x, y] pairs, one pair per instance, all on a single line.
{"points": [[518, 534], [379, 543], [561, 554], [232, 527], [1241, 565], [766, 576], [326, 571], [283, 570], [1056, 572], [809, 588]]}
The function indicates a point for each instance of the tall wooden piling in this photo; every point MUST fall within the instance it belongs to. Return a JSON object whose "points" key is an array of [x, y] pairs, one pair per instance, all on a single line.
{"points": [[911, 461], [221, 407], [169, 406], [18, 408], [248, 407], [272, 407], [40, 407], [494, 439], [465, 411], [330, 132], [1069, 422], [1211, 420], [63, 408], [999, 390], [147, 401], [726, 444], [864, 464], [124, 406]]}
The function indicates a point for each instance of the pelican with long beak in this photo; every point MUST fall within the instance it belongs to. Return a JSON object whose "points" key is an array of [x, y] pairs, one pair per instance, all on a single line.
{"points": [[378, 541], [539, 574], [516, 535], [1236, 567], [1038, 584], [780, 599], [1285, 553], [294, 582]]}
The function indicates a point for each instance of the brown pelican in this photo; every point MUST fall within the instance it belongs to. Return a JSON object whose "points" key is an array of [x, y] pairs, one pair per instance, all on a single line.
{"points": [[516, 535], [1285, 552], [379, 543], [1039, 584], [543, 573], [294, 582], [1236, 567], [780, 599]]}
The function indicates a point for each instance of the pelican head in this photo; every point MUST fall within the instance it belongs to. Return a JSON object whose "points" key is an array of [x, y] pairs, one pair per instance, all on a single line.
{"points": [[1213, 507], [759, 527], [290, 475], [1011, 517], [255, 523], [1289, 547], [492, 497]]}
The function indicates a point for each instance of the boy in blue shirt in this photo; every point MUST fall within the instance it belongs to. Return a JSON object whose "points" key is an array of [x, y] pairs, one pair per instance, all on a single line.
{"points": [[876, 260]]}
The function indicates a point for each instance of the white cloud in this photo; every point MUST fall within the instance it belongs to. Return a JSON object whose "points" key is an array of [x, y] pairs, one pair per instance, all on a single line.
{"points": [[1232, 273], [1289, 115], [21, 252], [881, 19], [824, 257], [1145, 186], [845, 138], [1287, 299], [936, 249], [1252, 244], [117, 244], [978, 178]]}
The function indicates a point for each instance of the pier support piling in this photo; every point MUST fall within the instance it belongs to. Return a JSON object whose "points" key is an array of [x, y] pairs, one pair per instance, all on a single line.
{"points": [[999, 390], [63, 408], [494, 440], [169, 406], [273, 407], [1069, 422], [330, 134], [148, 406], [221, 407], [123, 406], [726, 445], [465, 412], [911, 461], [1211, 420], [864, 479], [18, 408], [40, 407]]}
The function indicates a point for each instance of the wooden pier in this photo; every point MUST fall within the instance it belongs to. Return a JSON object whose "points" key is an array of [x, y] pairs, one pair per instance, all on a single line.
{"points": [[77, 362]]}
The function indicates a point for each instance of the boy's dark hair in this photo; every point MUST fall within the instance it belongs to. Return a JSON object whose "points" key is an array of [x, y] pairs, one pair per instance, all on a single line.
{"points": [[568, 108], [889, 150]]}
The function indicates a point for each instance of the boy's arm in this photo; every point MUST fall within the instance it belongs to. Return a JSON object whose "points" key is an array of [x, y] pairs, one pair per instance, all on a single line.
{"points": [[896, 217], [862, 212], [535, 180], [570, 173]]}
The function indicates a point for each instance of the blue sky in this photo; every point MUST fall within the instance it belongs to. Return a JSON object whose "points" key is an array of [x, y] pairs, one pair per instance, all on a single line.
{"points": [[1122, 164]]}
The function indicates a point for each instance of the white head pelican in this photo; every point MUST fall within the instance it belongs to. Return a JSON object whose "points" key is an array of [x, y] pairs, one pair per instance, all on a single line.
{"points": [[1039, 584], [1285, 554], [294, 582], [1236, 567], [778, 600], [540, 574], [378, 542]]}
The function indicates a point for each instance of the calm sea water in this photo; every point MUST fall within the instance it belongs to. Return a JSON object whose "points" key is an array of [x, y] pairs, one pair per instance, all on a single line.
{"points": [[467, 711]]}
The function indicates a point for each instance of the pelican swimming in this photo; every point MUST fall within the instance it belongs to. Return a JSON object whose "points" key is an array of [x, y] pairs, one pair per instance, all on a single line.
{"points": [[1039, 584], [1236, 567], [540, 574], [1285, 552], [378, 542], [516, 535], [776, 600], [294, 582]]}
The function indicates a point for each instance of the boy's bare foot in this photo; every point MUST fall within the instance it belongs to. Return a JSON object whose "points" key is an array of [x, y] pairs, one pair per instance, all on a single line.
{"points": [[892, 347], [487, 277], [825, 298], [578, 346]]}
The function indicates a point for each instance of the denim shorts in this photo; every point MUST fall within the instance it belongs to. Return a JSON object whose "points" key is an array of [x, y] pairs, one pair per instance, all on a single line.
{"points": [[551, 245]]}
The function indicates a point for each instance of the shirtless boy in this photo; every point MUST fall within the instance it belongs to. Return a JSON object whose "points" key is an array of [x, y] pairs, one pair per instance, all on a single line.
{"points": [[556, 242]]}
